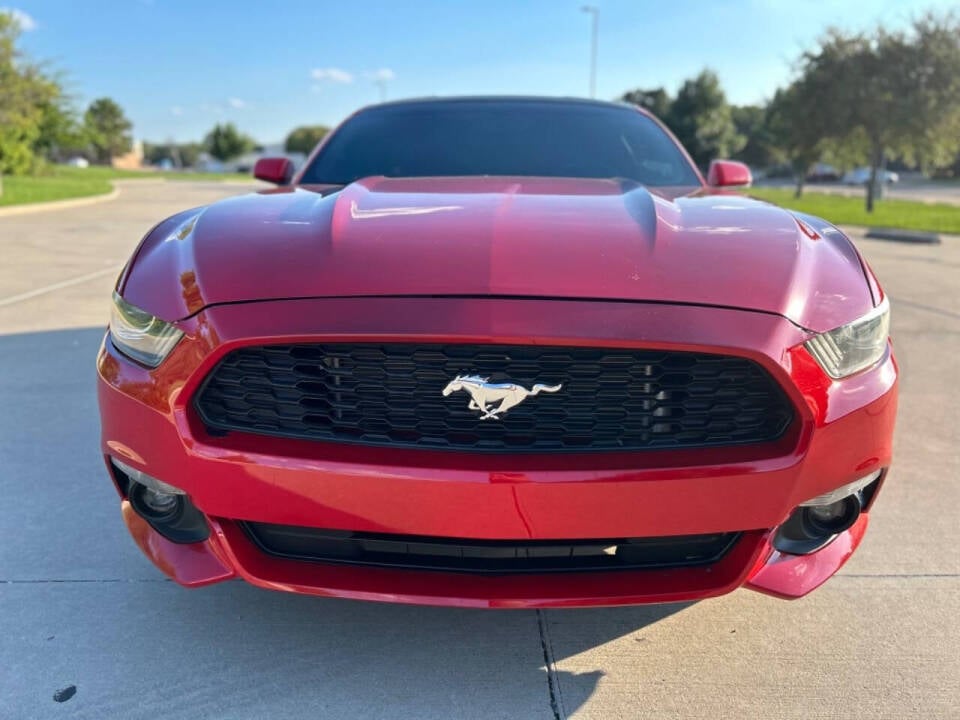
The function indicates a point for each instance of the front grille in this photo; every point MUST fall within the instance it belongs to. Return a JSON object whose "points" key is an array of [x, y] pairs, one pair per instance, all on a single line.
{"points": [[487, 556], [391, 395]]}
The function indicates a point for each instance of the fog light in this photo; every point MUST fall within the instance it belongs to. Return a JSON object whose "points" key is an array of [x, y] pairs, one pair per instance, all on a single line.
{"points": [[159, 502], [165, 507], [826, 514], [833, 518], [815, 523], [155, 505]]}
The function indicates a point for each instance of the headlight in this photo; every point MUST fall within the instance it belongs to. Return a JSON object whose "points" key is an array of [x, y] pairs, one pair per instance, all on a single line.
{"points": [[855, 346], [139, 335]]}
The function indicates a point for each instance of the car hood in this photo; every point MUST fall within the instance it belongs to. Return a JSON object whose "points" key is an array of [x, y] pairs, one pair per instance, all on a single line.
{"points": [[516, 237]]}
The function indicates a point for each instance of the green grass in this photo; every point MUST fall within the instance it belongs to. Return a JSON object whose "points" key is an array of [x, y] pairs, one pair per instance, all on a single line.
{"points": [[839, 210], [63, 183]]}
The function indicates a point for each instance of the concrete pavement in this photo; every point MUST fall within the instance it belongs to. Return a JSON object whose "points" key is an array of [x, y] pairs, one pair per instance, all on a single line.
{"points": [[80, 607]]}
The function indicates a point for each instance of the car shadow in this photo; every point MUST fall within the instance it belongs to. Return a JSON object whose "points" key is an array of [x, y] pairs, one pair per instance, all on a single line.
{"points": [[232, 650]]}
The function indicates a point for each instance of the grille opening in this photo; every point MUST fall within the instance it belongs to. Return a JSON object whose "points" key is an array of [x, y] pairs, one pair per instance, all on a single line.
{"points": [[488, 556], [390, 395]]}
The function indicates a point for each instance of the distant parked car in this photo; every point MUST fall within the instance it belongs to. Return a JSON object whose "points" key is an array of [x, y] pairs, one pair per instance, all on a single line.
{"points": [[822, 172], [861, 176], [79, 162]]}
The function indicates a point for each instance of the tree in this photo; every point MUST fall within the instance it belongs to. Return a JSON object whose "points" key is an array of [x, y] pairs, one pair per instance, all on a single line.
{"points": [[182, 155], [23, 87], [657, 101], [799, 128], [702, 120], [895, 91], [108, 130], [936, 40], [752, 123], [699, 116], [225, 142], [60, 134], [305, 138], [189, 153], [155, 154]]}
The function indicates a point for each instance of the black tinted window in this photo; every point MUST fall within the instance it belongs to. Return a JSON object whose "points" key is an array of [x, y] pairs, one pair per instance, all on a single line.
{"points": [[501, 138]]}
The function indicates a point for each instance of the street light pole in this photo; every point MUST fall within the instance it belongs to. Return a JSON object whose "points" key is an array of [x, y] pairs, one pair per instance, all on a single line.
{"points": [[594, 11]]}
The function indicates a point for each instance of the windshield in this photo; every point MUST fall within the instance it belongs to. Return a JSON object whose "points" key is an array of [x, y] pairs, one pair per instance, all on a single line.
{"points": [[514, 138]]}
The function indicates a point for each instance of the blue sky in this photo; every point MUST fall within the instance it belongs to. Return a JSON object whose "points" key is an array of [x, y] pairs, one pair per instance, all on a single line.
{"points": [[179, 66]]}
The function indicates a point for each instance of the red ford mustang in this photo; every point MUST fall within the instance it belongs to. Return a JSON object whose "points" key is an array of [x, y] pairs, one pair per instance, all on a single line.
{"points": [[498, 352]]}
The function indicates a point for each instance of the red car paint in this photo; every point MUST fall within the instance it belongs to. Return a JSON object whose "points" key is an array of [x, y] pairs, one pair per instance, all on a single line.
{"points": [[506, 261], [514, 237]]}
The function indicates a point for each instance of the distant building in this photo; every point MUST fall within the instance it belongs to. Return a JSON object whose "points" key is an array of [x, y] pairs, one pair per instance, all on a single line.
{"points": [[133, 160]]}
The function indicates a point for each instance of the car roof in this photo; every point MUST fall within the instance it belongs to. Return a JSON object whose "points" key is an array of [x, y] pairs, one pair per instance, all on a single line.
{"points": [[500, 99]]}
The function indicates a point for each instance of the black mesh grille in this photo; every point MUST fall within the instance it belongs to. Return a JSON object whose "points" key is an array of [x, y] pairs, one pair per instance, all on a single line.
{"points": [[391, 395], [488, 556]]}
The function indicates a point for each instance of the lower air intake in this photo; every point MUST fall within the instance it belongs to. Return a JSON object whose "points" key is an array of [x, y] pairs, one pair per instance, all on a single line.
{"points": [[488, 556]]}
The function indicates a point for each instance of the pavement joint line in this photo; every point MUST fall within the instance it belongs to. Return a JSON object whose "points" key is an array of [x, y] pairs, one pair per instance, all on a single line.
{"points": [[906, 576], [57, 286], [553, 683]]}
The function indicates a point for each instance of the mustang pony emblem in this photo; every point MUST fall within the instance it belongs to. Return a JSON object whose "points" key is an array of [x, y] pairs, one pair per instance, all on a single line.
{"points": [[483, 392]]}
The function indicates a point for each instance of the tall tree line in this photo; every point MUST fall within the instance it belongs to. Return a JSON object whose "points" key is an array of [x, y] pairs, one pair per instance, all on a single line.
{"points": [[856, 98]]}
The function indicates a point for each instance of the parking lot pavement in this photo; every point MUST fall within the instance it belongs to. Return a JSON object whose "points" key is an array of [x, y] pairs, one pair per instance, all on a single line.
{"points": [[67, 261], [80, 607]]}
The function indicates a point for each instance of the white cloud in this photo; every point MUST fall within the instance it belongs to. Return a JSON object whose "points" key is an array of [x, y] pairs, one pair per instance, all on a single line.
{"points": [[334, 75], [25, 21], [236, 103], [176, 110], [382, 75]]}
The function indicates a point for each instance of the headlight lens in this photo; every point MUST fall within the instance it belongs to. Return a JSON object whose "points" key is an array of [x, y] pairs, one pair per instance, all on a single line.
{"points": [[139, 335], [853, 347]]}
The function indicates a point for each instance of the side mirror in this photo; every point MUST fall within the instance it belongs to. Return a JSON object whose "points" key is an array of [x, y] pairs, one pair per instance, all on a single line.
{"points": [[273, 170], [727, 173]]}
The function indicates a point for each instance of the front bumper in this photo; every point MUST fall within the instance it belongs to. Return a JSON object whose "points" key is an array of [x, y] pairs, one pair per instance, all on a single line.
{"points": [[843, 431]]}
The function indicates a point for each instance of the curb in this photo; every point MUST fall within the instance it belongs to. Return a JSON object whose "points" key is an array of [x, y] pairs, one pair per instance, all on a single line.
{"points": [[862, 232], [28, 208], [916, 237]]}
